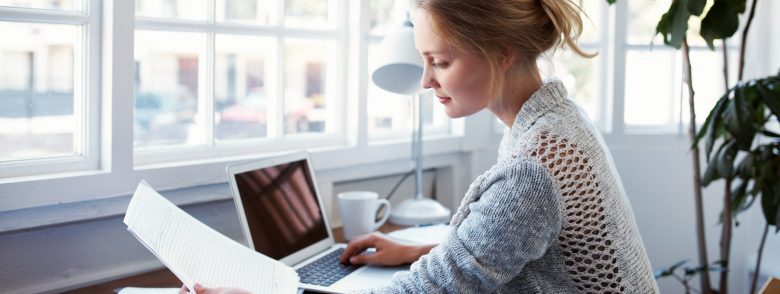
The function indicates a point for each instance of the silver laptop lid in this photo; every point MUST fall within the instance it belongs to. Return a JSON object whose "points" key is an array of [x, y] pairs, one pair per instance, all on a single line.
{"points": [[279, 207]]}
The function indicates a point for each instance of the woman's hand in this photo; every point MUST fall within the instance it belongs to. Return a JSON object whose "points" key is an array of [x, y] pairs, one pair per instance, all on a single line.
{"points": [[199, 289], [388, 252]]}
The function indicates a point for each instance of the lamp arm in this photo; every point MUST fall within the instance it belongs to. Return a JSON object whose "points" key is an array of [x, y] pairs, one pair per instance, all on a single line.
{"points": [[417, 145]]}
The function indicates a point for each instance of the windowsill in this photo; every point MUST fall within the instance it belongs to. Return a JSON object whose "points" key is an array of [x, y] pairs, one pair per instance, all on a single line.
{"points": [[70, 213], [62, 199]]}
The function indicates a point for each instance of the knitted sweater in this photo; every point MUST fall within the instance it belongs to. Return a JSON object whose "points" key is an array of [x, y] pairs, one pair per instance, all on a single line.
{"points": [[550, 217]]}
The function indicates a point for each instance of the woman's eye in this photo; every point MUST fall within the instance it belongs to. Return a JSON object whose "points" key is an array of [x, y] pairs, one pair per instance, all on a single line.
{"points": [[439, 64]]}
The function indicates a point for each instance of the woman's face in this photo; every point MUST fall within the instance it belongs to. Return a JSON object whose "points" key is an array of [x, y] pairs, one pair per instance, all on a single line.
{"points": [[459, 79]]}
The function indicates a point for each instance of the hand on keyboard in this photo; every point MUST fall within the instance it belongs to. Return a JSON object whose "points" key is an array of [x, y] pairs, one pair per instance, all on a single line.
{"points": [[388, 252]]}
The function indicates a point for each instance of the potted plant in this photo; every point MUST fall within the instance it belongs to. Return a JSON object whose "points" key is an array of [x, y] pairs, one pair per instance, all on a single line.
{"points": [[740, 145]]}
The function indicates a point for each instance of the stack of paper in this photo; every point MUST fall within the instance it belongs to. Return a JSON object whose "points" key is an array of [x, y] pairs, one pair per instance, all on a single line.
{"points": [[195, 252], [427, 235]]}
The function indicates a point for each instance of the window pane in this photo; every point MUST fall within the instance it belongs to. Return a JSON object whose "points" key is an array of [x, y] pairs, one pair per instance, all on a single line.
{"points": [[244, 86], [36, 90], [591, 21], [707, 81], [49, 4], [644, 16], [435, 120], [381, 16], [310, 14], [166, 88], [386, 111], [642, 20], [581, 77], [651, 101], [258, 12], [184, 9], [307, 89]]}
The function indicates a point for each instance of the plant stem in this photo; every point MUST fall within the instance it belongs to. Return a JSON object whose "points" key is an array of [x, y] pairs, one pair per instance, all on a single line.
{"points": [[700, 233], [725, 65], [744, 41], [725, 237], [758, 262]]}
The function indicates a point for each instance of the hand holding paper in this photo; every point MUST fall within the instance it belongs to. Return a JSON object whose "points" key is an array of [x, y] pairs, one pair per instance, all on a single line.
{"points": [[195, 252]]}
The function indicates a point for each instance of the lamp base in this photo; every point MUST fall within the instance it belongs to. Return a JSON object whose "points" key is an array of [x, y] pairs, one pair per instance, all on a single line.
{"points": [[423, 211]]}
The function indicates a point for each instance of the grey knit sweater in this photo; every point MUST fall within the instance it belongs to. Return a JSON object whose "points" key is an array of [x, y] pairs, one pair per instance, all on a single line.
{"points": [[550, 217]]}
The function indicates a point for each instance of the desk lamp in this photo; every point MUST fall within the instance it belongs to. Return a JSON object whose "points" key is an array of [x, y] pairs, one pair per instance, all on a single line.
{"points": [[399, 71]]}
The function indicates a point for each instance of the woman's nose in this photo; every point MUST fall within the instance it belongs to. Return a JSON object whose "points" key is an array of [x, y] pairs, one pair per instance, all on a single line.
{"points": [[427, 81]]}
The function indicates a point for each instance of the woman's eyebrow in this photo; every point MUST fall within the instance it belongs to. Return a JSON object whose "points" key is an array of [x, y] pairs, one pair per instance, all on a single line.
{"points": [[438, 53]]}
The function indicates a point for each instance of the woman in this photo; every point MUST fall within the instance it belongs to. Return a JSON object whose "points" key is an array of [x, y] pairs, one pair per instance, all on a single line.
{"points": [[551, 216]]}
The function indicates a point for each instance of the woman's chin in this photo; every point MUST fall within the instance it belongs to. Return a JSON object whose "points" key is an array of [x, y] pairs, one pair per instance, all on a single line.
{"points": [[451, 113]]}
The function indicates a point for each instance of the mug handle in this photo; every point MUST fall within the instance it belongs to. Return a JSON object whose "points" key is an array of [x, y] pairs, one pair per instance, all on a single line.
{"points": [[387, 213]]}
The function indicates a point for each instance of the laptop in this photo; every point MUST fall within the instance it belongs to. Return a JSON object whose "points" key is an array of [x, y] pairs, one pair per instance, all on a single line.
{"points": [[282, 216]]}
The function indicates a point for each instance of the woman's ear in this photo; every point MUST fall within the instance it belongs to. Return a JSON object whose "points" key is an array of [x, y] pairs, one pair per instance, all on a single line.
{"points": [[508, 59]]}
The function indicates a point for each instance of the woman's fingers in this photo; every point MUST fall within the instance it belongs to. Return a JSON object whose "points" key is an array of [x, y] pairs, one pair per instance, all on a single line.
{"points": [[374, 258], [184, 289], [357, 246]]}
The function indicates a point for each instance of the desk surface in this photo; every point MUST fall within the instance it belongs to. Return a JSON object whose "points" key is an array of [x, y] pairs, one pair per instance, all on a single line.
{"points": [[164, 278]]}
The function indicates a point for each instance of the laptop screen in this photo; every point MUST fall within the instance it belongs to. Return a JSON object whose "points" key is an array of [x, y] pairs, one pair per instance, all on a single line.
{"points": [[281, 208]]}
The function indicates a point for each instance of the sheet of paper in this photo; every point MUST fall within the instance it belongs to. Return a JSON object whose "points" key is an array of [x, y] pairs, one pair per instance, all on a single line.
{"points": [[434, 234], [134, 290], [195, 252]]}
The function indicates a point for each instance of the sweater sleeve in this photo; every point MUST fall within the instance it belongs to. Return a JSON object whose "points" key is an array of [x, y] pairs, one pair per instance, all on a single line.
{"points": [[514, 221]]}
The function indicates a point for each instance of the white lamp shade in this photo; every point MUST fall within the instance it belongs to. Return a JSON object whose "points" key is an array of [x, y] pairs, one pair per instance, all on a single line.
{"points": [[400, 65]]}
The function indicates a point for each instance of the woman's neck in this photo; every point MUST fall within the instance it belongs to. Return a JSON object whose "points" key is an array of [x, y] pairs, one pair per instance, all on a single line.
{"points": [[518, 87]]}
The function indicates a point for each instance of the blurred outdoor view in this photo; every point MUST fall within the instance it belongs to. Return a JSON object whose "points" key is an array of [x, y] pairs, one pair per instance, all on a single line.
{"points": [[37, 99], [170, 72], [390, 114], [250, 92]]}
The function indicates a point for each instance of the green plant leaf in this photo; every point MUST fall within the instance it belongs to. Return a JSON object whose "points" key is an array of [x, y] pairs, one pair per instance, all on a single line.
{"points": [[725, 159], [711, 124], [769, 207], [770, 134], [745, 166], [770, 96], [770, 195], [611, 2], [674, 23], [745, 131], [738, 196], [710, 174], [669, 270], [714, 115], [696, 7], [721, 21]]}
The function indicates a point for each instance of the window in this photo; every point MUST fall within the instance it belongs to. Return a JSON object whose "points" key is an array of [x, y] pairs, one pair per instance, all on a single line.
{"points": [[390, 114], [212, 76], [584, 77], [655, 100], [647, 82], [48, 121]]}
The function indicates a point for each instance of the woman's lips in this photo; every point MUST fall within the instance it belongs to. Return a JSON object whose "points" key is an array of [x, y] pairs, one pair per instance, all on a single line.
{"points": [[443, 99]]}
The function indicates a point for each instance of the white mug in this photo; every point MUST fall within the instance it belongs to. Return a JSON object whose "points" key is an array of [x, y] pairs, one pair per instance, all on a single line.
{"points": [[358, 212]]}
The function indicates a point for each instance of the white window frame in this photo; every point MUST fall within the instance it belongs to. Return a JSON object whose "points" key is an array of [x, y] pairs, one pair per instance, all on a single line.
{"points": [[86, 90], [622, 47], [118, 174], [276, 139]]}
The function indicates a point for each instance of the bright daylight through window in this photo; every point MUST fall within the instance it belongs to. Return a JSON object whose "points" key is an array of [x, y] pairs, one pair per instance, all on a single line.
{"points": [[46, 60], [210, 72], [231, 77], [390, 114]]}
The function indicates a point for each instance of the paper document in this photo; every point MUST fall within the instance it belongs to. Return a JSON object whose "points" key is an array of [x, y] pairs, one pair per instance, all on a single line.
{"points": [[434, 234], [135, 290], [195, 252]]}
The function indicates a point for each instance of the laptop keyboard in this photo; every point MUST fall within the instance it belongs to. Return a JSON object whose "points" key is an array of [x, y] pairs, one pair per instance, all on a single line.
{"points": [[326, 270]]}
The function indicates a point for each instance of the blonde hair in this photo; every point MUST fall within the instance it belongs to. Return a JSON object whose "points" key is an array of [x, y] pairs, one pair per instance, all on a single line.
{"points": [[493, 29]]}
